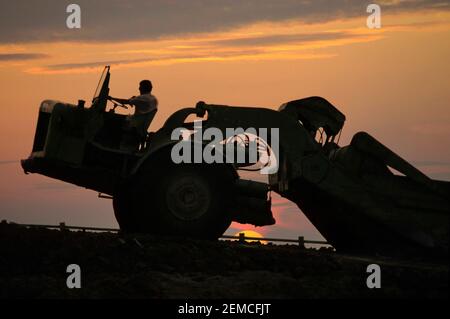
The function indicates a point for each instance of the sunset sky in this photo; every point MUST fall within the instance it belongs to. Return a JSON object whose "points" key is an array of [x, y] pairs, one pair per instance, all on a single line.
{"points": [[393, 82]]}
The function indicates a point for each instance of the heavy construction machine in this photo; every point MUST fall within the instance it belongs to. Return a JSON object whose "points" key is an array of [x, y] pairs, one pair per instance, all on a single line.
{"points": [[363, 198]]}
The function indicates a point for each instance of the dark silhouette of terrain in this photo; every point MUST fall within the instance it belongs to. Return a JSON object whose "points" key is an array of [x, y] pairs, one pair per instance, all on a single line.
{"points": [[33, 265]]}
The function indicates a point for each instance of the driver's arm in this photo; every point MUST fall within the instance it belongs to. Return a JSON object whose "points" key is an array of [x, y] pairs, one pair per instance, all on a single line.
{"points": [[122, 101]]}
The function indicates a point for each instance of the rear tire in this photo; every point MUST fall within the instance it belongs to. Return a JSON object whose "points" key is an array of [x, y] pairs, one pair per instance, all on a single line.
{"points": [[191, 200]]}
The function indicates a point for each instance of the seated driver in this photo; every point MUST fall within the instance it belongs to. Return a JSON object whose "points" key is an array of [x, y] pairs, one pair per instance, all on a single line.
{"points": [[145, 105]]}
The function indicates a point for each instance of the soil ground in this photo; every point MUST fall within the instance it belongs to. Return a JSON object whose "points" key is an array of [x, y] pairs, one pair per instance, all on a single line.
{"points": [[33, 264]]}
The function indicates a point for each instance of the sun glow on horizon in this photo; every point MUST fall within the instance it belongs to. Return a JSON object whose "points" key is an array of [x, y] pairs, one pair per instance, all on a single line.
{"points": [[251, 234]]}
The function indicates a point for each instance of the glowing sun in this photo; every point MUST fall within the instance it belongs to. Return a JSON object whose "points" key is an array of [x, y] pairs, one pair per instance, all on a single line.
{"points": [[253, 234]]}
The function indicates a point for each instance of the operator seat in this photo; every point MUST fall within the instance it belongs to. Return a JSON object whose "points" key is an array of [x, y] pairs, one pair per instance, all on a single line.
{"points": [[136, 132], [142, 122]]}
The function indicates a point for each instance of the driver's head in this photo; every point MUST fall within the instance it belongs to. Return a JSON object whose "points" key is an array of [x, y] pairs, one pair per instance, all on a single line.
{"points": [[145, 87]]}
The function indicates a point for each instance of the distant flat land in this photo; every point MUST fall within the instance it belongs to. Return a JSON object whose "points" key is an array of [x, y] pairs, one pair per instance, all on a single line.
{"points": [[33, 264]]}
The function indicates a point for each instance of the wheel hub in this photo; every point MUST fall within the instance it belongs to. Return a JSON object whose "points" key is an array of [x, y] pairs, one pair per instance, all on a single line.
{"points": [[188, 197]]}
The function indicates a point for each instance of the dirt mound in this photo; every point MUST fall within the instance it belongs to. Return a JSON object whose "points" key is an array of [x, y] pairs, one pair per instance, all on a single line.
{"points": [[33, 264]]}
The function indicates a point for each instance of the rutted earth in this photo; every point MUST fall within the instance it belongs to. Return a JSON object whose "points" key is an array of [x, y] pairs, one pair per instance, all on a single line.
{"points": [[33, 264]]}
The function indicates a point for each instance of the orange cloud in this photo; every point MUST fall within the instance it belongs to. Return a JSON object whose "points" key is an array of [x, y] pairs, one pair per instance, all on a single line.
{"points": [[285, 40]]}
